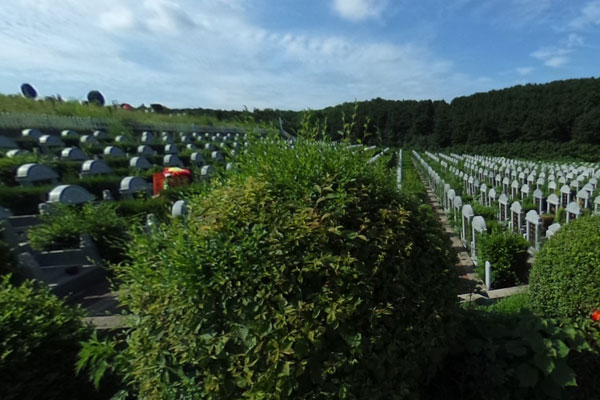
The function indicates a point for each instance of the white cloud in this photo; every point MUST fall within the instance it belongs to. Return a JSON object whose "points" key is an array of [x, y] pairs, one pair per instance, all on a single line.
{"points": [[525, 70], [588, 15], [358, 10], [206, 53], [552, 56]]}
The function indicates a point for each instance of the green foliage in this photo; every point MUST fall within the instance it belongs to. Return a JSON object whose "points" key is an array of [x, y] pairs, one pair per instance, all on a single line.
{"points": [[411, 182], [512, 304], [504, 354], [8, 261], [488, 213], [23, 199], [305, 275], [565, 279], [65, 224], [39, 342], [9, 166], [507, 252]]}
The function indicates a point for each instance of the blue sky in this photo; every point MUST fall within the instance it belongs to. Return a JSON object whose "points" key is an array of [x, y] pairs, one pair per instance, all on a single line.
{"points": [[292, 54]]}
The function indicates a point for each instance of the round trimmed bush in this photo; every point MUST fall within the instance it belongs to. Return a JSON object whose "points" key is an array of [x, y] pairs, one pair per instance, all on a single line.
{"points": [[39, 342], [304, 275], [565, 279]]}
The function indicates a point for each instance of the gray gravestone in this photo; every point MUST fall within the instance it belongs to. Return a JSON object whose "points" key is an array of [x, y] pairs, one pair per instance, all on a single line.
{"points": [[28, 174], [69, 194]]}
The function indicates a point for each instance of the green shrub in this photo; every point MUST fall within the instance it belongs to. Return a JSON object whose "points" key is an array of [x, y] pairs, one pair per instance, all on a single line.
{"points": [[8, 261], [39, 342], [565, 279], [488, 213], [507, 253], [305, 275], [411, 182], [23, 200], [510, 355], [65, 224], [9, 166]]}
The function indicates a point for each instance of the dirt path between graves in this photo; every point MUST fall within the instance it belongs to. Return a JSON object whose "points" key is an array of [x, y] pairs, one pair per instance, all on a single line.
{"points": [[472, 287]]}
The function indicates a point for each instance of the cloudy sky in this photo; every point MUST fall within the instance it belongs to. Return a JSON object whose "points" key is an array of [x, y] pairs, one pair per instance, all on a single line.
{"points": [[292, 54]]}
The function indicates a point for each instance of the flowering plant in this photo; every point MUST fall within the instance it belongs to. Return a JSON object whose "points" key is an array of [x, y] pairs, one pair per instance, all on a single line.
{"points": [[596, 315]]}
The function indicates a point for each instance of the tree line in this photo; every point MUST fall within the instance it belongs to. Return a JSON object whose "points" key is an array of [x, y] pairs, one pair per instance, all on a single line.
{"points": [[556, 119]]}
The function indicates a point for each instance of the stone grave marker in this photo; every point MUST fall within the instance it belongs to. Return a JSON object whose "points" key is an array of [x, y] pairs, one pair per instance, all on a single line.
{"points": [[196, 159], [69, 134], [492, 197], [171, 160], [516, 221], [450, 195], [217, 156], [31, 134], [533, 228], [114, 152], [467, 214], [139, 162], [597, 205], [147, 138], [69, 194], [72, 153], [479, 227], [179, 209], [524, 191], [94, 167], [145, 151], [583, 199], [50, 141], [552, 230], [503, 203], [207, 171], [552, 204], [565, 195], [514, 190], [573, 211], [483, 191], [457, 204], [16, 152], [505, 185], [88, 140], [100, 135], [32, 173], [538, 199], [171, 149], [133, 185]]}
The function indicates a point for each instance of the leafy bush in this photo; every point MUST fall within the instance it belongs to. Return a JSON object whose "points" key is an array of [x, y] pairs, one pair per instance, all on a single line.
{"points": [[488, 213], [23, 200], [305, 275], [9, 166], [565, 279], [507, 355], [507, 252], [8, 261], [65, 224], [411, 182], [39, 342]]}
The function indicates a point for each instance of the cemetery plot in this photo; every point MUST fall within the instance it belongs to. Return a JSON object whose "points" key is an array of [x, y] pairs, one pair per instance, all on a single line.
{"points": [[527, 199], [43, 172]]}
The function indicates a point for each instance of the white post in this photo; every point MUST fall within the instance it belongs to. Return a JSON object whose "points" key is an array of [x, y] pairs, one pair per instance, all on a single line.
{"points": [[488, 275]]}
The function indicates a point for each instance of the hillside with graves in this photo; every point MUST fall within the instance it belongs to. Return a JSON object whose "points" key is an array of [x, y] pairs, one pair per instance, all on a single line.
{"points": [[171, 255]]}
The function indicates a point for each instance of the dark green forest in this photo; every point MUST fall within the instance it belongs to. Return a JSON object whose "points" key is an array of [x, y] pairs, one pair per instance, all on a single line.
{"points": [[559, 119]]}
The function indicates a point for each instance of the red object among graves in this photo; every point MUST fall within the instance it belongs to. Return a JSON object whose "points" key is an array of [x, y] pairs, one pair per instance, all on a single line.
{"points": [[170, 177]]}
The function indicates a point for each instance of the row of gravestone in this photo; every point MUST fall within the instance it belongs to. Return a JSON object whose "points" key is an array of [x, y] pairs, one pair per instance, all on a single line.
{"points": [[580, 189], [529, 225]]}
